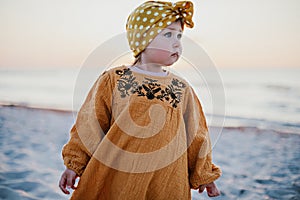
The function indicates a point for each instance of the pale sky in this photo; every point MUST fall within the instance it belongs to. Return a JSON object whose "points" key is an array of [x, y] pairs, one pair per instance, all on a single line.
{"points": [[61, 33]]}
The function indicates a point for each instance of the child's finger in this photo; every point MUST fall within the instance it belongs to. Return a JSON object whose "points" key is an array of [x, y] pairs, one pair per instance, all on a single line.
{"points": [[213, 194], [201, 188], [70, 181], [62, 184], [73, 186], [212, 191]]}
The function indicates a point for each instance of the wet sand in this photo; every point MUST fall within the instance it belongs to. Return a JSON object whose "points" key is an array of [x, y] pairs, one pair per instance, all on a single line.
{"points": [[256, 164]]}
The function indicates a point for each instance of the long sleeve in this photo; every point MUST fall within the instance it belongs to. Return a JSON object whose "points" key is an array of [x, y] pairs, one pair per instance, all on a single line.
{"points": [[93, 121], [201, 169]]}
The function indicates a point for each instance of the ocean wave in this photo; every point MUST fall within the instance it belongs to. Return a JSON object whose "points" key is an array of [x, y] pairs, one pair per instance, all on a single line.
{"points": [[239, 122], [278, 87]]}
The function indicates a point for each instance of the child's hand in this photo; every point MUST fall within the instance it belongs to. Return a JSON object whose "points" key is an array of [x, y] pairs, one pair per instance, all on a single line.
{"points": [[67, 179], [211, 189]]}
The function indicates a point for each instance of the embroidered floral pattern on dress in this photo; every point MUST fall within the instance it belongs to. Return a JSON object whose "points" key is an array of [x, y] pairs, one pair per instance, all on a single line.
{"points": [[126, 83], [149, 88]]}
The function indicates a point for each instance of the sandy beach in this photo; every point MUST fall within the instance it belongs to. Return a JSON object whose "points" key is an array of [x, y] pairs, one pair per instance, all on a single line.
{"points": [[256, 163]]}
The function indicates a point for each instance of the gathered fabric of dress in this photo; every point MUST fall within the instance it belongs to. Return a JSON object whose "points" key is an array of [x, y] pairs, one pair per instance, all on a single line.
{"points": [[140, 136]]}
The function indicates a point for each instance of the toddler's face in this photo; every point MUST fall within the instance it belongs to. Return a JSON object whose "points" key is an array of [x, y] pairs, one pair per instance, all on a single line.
{"points": [[165, 49]]}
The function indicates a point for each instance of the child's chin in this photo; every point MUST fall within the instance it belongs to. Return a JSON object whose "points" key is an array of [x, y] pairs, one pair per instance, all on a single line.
{"points": [[171, 62]]}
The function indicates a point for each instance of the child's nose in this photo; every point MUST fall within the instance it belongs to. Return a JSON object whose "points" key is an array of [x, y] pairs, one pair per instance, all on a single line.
{"points": [[176, 44]]}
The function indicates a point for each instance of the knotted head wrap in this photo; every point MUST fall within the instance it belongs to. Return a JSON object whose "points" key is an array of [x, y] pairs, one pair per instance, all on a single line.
{"points": [[147, 20]]}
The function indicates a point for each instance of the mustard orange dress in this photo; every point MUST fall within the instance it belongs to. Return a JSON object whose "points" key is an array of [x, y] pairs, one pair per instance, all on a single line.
{"points": [[140, 136]]}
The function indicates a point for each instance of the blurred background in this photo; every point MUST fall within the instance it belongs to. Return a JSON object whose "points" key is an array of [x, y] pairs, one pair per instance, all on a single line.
{"points": [[252, 46]]}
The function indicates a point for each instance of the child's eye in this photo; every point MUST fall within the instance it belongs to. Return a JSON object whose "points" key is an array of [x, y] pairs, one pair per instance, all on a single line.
{"points": [[179, 36], [168, 34]]}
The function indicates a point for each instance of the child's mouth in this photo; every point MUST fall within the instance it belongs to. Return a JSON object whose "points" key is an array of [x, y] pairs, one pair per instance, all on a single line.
{"points": [[175, 55]]}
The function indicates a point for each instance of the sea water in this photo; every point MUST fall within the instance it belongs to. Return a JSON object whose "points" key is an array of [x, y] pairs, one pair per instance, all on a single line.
{"points": [[267, 98]]}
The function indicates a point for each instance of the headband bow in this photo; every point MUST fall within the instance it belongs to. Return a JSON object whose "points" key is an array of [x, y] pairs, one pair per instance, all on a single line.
{"points": [[147, 20], [184, 9]]}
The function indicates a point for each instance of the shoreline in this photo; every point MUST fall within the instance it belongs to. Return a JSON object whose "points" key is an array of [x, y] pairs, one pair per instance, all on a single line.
{"points": [[24, 106]]}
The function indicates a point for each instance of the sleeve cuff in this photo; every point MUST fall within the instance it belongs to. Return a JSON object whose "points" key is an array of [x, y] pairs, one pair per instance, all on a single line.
{"points": [[73, 165], [206, 177]]}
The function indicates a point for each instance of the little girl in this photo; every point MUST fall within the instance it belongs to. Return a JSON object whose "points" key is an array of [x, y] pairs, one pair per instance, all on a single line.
{"points": [[141, 132]]}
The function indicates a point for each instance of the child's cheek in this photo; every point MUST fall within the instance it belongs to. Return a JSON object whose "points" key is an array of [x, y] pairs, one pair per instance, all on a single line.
{"points": [[162, 53]]}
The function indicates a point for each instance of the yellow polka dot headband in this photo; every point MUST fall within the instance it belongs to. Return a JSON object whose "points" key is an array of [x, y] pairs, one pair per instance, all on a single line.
{"points": [[147, 20]]}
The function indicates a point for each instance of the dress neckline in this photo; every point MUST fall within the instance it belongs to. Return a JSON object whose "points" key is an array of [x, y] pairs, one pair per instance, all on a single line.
{"points": [[157, 75]]}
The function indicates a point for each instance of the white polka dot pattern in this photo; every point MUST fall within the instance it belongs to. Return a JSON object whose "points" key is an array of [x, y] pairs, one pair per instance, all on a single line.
{"points": [[148, 20]]}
